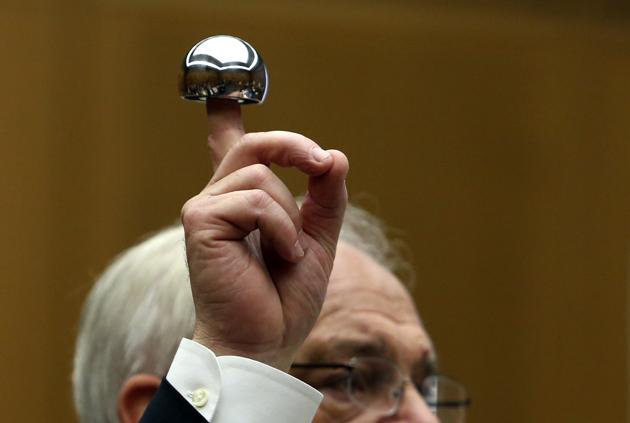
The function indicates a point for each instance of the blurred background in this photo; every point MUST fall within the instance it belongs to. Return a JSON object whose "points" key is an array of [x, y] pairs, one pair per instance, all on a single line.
{"points": [[493, 136]]}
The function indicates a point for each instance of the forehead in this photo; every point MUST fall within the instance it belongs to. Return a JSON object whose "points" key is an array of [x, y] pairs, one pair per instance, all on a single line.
{"points": [[368, 307]]}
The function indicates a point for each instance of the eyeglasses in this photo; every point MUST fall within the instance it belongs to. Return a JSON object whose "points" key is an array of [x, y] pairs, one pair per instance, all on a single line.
{"points": [[378, 384]]}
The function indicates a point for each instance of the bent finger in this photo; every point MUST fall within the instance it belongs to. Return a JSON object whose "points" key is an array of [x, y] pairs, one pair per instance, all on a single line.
{"points": [[325, 204], [286, 149], [258, 176], [232, 216]]}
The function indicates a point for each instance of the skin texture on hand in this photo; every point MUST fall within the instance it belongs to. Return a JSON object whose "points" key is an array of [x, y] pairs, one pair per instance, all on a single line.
{"points": [[259, 266]]}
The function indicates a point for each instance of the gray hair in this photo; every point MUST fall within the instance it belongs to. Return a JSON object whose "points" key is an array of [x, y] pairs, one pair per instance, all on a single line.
{"points": [[141, 306]]}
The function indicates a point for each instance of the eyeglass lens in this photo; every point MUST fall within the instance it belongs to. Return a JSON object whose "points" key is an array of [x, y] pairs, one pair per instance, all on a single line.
{"points": [[376, 384], [379, 385]]}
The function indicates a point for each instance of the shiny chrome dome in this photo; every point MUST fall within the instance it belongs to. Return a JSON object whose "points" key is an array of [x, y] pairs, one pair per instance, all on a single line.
{"points": [[223, 67]]}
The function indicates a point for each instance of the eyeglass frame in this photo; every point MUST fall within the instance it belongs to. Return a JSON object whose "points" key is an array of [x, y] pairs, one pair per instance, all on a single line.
{"points": [[351, 366]]}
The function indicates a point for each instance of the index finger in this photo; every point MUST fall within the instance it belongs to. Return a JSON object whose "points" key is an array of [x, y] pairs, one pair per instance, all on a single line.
{"points": [[286, 149], [225, 127]]}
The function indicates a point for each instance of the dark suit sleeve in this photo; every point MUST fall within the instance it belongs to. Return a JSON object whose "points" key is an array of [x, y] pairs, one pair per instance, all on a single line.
{"points": [[168, 406]]}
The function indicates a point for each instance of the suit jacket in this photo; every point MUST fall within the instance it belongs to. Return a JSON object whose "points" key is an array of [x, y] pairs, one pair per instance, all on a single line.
{"points": [[168, 406]]}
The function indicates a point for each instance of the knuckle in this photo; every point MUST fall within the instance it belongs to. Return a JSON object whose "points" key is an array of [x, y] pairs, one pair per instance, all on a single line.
{"points": [[257, 144], [192, 212], [186, 209], [259, 198], [239, 148], [259, 173], [248, 138]]}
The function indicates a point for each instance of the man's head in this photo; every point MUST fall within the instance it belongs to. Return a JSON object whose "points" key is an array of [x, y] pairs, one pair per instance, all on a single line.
{"points": [[132, 321], [369, 317], [141, 306]]}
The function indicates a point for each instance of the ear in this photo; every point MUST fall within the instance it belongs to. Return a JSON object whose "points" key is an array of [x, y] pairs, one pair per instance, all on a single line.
{"points": [[135, 395]]}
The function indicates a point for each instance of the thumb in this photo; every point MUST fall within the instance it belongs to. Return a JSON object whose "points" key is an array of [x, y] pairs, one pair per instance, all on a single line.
{"points": [[225, 127], [325, 204]]}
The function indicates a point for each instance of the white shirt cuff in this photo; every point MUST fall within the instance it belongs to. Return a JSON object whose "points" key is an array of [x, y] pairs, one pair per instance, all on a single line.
{"points": [[227, 389]]}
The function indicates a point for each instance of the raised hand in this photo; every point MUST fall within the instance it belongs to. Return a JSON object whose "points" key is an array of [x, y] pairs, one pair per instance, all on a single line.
{"points": [[259, 265]]}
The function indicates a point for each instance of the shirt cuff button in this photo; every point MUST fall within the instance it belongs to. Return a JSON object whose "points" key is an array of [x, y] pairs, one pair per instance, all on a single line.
{"points": [[199, 397]]}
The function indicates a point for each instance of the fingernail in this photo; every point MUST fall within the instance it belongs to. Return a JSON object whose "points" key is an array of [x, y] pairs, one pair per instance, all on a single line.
{"points": [[320, 155], [298, 251]]}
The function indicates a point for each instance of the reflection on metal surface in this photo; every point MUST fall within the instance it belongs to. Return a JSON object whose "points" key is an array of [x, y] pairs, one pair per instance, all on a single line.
{"points": [[224, 67]]}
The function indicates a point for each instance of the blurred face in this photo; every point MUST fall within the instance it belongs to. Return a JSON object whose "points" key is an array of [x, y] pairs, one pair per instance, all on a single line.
{"points": [[367, 314]]}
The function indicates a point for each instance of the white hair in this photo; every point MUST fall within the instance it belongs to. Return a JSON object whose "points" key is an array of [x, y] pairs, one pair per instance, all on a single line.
{"points": [[141, 306]]}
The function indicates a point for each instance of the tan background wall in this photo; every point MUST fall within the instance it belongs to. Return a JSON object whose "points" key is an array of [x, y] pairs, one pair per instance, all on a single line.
{"points": [[494, 139]]}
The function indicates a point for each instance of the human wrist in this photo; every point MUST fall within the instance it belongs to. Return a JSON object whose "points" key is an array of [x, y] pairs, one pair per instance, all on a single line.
{"points": [[272, 357]]}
